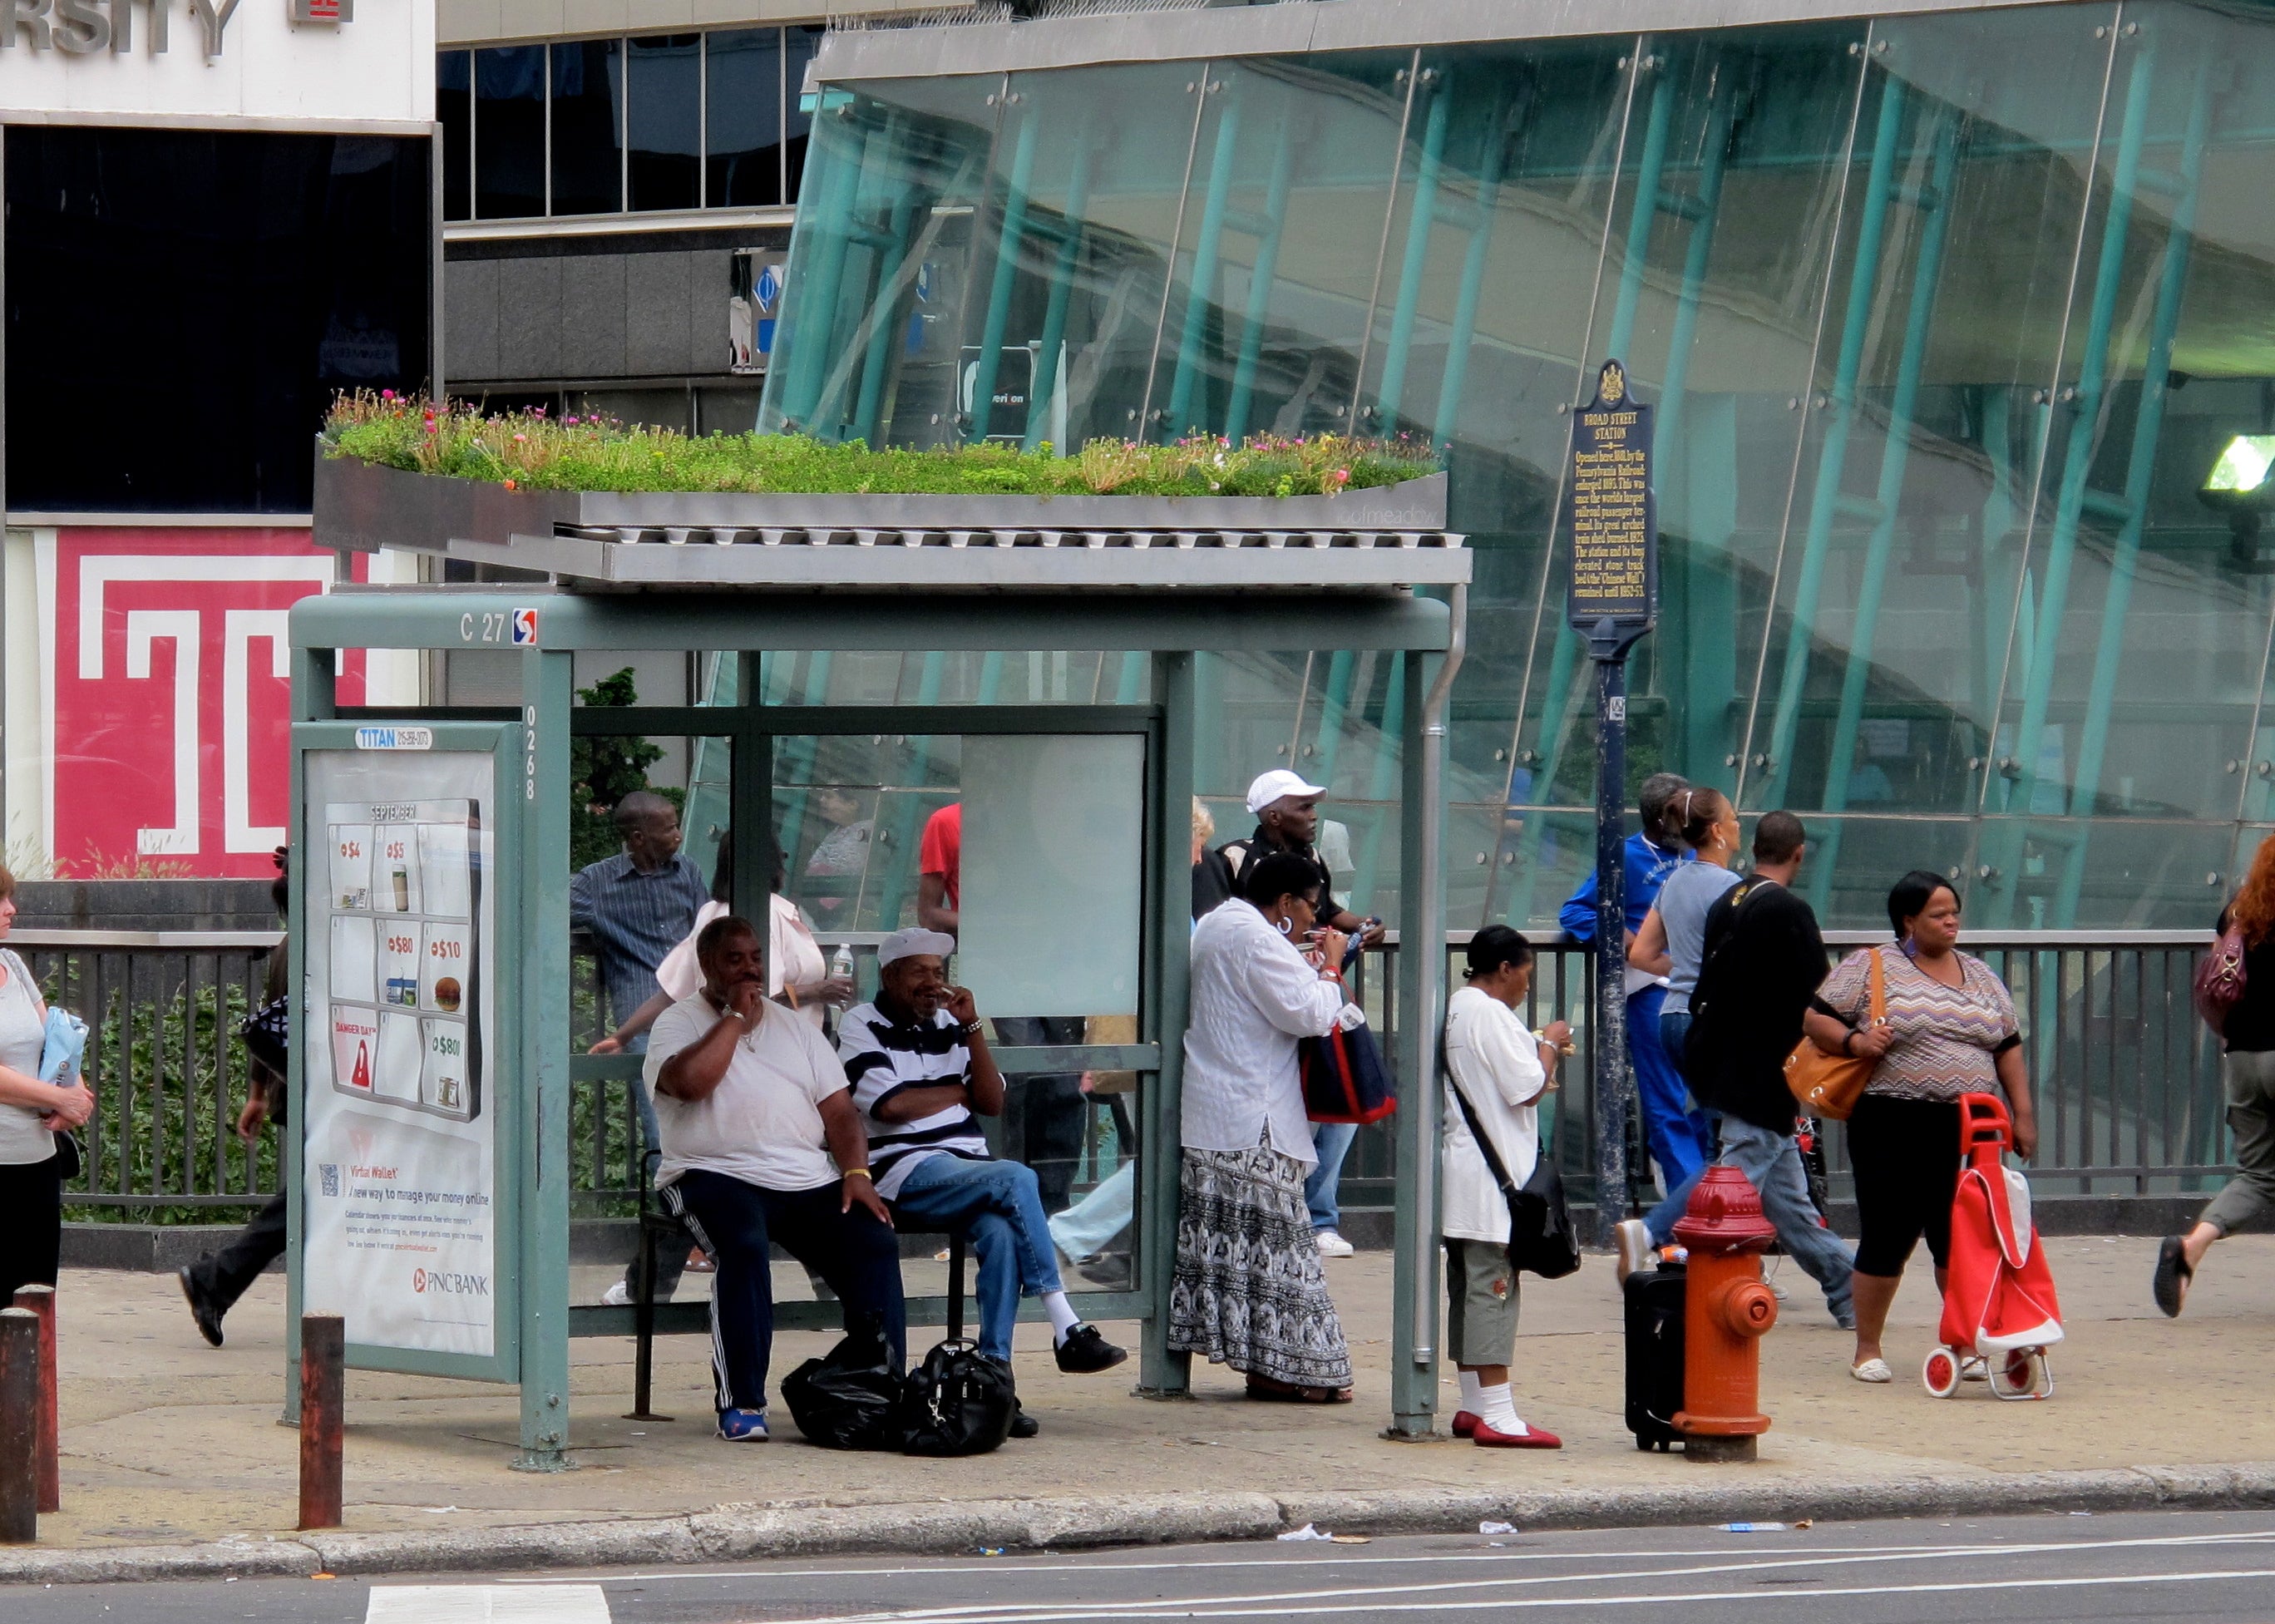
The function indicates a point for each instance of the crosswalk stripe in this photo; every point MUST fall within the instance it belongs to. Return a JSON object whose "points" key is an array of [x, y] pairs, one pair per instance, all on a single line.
{"points": [[486, 1604]]}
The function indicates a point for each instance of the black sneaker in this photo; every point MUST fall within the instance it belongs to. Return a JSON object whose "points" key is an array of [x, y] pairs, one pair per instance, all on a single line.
{"points": [[1023, 1425], [202, 1307], [1085, 1353]]}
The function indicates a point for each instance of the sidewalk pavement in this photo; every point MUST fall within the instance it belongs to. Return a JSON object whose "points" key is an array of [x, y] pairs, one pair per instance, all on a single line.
{"points": [[168, 1443]]}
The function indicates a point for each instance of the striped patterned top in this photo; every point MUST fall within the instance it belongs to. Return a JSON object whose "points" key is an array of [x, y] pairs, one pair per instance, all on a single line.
{"points": [[884, 1057], [1945, 1036]]}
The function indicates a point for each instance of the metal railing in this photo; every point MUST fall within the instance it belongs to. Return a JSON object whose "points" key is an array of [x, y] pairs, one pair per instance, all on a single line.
{"points": [[2126, 1078]]}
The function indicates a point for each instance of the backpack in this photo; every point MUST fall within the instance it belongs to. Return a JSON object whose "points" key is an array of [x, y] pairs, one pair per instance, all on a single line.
{"points": [[847, 1398]]}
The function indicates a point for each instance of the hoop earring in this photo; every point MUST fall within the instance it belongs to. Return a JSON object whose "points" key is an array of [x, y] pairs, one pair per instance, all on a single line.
{"points": [[1286, 927]]}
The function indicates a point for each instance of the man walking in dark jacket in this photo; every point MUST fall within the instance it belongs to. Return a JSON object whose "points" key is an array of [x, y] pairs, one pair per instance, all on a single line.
{"points": [[1764, 961]]}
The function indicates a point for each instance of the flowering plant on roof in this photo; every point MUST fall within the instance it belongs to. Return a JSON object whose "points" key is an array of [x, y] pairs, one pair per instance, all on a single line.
{"points": [[531, 451]]}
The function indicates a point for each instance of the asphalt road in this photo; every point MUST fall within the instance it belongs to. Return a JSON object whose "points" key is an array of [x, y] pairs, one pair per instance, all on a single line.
{"points": [[2203, 1566]]}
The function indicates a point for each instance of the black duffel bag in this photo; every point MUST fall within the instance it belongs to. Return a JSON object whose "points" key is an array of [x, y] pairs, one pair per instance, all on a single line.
{"points": [[847, 1399], [958, 1402]]}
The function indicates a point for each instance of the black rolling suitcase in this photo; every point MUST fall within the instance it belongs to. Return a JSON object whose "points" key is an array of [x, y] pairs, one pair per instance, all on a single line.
{"points": [[1654, 1323]]}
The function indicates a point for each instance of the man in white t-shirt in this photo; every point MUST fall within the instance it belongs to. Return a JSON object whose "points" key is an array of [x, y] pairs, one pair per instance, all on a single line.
{"points": [[919, 1067], [761, 1142]]}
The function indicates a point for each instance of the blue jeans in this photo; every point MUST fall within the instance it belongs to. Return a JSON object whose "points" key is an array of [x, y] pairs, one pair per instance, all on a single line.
{"points": [[1088, 1226], [1674, 1128], [1673, 1034], [1771, 1164], [1331, 1142], [997, 1207]]}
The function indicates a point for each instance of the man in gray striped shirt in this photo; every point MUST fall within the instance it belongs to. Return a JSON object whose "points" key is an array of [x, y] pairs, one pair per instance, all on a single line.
{"points": [[919, 1067]]}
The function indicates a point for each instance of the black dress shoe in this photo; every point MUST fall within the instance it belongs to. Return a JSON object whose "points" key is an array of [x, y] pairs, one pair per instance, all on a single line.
{"points": [[1023, 1425], [202, 1308], [1085, 1353]]}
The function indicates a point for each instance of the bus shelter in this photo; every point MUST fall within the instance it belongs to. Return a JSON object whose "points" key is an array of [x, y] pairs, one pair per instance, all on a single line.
{"points": [[428, 1173]]}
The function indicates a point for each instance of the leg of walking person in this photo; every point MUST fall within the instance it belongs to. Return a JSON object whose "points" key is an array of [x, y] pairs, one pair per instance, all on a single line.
{"points": [[1085, 1229], [1772, 1163], [1638, 1237], [858, 1257], [214, 1282], [1674, 1128], [2244, 1200], [731, 1218], [1331, 1143]]}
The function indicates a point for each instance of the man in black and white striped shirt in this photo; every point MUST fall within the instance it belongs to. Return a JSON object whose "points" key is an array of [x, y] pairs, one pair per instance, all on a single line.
{"points": [[920, 1067]]}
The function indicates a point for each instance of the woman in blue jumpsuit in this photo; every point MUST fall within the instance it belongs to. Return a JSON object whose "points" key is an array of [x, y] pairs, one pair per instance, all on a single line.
{"points": [[1676, 1130]]}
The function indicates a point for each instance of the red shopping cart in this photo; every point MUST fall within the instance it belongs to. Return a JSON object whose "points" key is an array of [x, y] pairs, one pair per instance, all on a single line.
{"points": [[1999, 1310]]}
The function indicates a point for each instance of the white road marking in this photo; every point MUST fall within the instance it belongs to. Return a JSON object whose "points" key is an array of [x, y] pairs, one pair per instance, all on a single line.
{"points": [[1211, 1608], [1044, 1612], [1072, 1562], [486, 1604]]}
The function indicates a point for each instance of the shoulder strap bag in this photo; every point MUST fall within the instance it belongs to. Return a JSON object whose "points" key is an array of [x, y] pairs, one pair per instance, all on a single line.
{"points": [[1541, 1239], [1829, 1085]]}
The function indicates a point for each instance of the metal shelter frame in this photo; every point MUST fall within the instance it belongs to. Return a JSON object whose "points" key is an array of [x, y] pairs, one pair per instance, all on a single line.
{"points": [[742, 575]]}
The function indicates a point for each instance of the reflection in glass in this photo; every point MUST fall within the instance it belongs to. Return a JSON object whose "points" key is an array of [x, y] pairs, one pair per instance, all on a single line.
{"points": [[588, 160], [664, 144], [743, 111], [799, 42], [509, 132], [454, 110]]}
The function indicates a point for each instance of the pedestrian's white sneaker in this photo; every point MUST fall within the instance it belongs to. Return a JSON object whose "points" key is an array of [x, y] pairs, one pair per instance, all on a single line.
{"points": [[617, 1296], [1632, 1239], [1333, 1245]]}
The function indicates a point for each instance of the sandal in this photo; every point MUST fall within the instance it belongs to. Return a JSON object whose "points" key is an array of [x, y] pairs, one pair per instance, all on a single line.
{"points": [[1875, 1370], [1265, 1390], [2170, 1284]]}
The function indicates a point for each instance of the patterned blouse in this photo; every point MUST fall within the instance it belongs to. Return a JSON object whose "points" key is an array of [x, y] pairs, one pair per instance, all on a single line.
{"points": [[1945, 1038]]}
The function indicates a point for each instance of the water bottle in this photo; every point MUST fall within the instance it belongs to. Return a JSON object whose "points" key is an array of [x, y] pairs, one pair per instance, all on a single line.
{"points": [[841, 962]]}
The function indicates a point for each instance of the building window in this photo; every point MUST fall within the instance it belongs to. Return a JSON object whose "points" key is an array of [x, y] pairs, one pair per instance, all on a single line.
{"points": [[454, 109], [663, 153], [588, 128], [652, 122], [743, 117], [508, 131]]}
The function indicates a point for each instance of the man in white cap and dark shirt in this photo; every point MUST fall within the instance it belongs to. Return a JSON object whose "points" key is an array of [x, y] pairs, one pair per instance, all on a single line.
{"points": [[919, 1066], [1287, 812]]}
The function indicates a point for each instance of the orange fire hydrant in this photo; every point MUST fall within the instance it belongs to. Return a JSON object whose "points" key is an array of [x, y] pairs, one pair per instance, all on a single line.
{"points": [[1725, 1311]]}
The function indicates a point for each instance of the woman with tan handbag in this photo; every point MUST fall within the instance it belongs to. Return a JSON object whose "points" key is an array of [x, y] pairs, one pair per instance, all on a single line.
{"points": [[1949, 1030]]}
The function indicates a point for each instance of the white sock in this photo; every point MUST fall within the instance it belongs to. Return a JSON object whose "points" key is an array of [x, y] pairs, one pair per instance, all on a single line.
{"points": [[1063, 1318], [1472, 1400], [1498, 1411]]}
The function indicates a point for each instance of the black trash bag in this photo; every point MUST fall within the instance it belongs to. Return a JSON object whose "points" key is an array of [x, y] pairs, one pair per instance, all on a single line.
{"points": [[958, 1402], [847, 1399]]}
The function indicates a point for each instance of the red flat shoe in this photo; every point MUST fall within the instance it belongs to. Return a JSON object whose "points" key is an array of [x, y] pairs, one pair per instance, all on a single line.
{"points": [[1465, 1425], [1532, 1438]]}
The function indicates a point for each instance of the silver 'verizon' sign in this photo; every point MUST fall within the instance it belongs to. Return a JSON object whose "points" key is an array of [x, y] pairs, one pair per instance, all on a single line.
{"points": [[82, 27]]}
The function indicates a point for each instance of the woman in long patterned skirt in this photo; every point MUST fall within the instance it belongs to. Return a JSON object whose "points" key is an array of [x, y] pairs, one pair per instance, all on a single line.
{"points": [[1249, 1290]]}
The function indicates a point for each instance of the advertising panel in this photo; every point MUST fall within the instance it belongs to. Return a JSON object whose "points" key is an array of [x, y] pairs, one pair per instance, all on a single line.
{"points": [[399, 1171]]}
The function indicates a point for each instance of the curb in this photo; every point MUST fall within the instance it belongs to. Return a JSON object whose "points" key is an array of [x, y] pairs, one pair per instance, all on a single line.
{"points": [[757, 1533]]}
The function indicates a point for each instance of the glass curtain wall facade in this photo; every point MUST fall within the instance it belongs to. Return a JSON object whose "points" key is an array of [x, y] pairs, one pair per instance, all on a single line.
{"points": [[1948, 320]]}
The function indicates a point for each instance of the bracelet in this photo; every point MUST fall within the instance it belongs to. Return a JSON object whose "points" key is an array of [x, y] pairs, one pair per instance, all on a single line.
{"points": [[1848, 1041], [860, 1173], [971, 1029]]}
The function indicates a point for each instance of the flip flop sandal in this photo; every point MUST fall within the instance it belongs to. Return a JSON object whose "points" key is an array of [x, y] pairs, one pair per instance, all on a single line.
{"points": [[1874, 1371], [2170, 1284]]}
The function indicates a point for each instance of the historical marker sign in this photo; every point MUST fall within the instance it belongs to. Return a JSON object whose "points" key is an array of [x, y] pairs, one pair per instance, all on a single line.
{"points": [[1610, 515]]}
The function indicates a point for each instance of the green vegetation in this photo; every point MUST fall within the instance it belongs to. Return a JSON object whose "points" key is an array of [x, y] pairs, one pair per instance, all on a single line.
{"points": [[530, 450]]}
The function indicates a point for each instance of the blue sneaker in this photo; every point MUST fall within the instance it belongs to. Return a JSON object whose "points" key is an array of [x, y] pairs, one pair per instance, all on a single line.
{"points": [[743, 1426]]}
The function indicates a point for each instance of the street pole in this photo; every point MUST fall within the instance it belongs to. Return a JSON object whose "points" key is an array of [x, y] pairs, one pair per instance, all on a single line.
{"points": [[1611, 599], [1611, 1012]]}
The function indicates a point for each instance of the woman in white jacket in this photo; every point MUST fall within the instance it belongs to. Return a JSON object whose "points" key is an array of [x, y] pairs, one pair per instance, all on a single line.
{"points": [[1249, 1291], [1496, 1072]]}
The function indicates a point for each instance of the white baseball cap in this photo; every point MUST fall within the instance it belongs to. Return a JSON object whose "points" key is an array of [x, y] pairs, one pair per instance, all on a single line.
{"points": [[1277, 785], [910, 942]]}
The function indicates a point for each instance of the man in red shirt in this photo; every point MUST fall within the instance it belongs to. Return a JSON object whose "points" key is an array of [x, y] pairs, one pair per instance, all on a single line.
{"points": [[1043, 1118]]}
